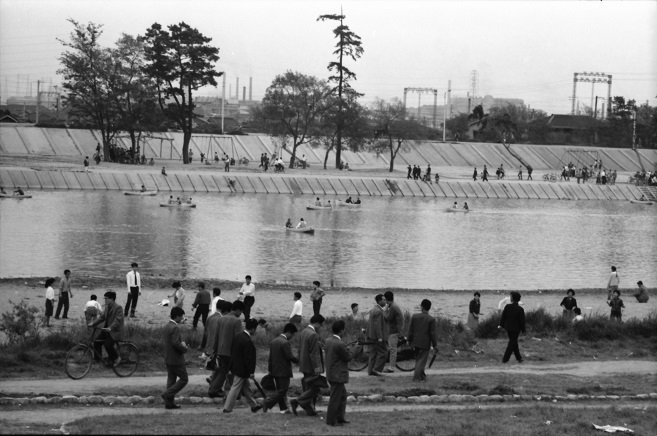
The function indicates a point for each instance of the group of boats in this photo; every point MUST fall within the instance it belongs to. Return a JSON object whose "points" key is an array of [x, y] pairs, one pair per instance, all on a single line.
{"points": [[171, 203]]}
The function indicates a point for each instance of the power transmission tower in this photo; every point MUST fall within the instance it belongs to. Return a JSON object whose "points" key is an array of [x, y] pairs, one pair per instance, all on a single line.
{"points": [[593, 78], [421, 91], [473, 94]]}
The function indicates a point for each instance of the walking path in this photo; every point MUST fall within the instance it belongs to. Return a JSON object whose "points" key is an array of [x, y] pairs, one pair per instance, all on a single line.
{"points": [[89, 385]]}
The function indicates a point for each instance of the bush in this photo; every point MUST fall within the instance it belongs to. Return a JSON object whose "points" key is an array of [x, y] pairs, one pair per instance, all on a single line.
{"points": [[21, 324]]}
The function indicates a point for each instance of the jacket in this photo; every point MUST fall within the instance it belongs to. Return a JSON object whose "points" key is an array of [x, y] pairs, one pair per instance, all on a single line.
{"points": [[174, 350], [310, 360], [228, 327], [422, 331], [513, 318], [113, 314], [243, 356], [378, 325], [395, 318], [202, 297], [337, 356], [281, 357], [211, 329]]}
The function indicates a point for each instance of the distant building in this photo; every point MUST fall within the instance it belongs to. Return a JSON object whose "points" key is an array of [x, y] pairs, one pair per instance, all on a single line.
{"points": [[570, 129]]}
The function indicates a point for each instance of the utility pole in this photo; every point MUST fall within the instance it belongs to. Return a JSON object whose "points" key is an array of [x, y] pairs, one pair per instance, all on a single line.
{"points": [[38, 101], [634, 129], [444, 114], [223, 101]]}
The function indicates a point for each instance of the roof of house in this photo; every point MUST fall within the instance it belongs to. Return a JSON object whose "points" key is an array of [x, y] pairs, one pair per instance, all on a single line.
{"points": [[573, 122]]}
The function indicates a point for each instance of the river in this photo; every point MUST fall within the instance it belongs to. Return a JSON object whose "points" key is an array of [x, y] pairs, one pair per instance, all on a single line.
{"points": [[388, 242]]}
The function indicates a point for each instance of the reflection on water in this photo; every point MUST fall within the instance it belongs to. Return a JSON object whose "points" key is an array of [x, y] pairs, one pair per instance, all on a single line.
{"points": [[389, 242]]}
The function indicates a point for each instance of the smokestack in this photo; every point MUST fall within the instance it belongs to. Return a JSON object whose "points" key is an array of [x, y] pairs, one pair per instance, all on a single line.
{"points": [[244, 93], [230, 91], [237, 89], [251, 89]]}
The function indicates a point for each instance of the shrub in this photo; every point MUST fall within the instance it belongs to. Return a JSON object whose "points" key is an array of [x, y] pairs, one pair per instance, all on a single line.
{"points": [[21, 324]]}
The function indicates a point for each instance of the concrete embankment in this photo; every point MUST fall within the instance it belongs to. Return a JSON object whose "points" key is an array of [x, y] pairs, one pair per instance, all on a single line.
{"points": [[261, 183]]}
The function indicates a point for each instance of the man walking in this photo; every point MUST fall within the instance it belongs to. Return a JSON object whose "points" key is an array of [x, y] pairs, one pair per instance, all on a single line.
{"points": [[395, 319], [529, 172], [310, 364], [422, 337], [112, 330], [222, 307], [513, 321], [337, 373], [484, 175], [64, 293], [242, 365], [474, 175], [378, 332], [228, 327], [174, 358], [281, 359], [134, 290], [86, 164], [248, 292], [408, 176], [202, 305]]}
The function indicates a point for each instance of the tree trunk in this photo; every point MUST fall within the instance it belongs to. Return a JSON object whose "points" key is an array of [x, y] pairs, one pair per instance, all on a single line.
{"points": [[187, 137], [294, 154], [134, 144]]}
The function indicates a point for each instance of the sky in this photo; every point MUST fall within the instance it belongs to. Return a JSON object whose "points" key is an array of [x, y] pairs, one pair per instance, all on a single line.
{"points": [[527, 50]]}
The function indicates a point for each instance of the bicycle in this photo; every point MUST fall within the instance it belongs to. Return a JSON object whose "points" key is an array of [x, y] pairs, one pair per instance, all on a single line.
{"points": [[550, 177], [80, 358], [360, 357]]}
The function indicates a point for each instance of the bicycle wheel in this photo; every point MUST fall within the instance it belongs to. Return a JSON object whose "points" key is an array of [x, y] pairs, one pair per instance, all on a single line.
{"points": [[78, 361], [553, 178], [129, 360], [359, 356], [405, 358], [546, 177]]}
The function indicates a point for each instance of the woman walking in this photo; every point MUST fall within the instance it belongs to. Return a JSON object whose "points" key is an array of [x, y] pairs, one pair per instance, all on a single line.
{"points": [[473, 316]]}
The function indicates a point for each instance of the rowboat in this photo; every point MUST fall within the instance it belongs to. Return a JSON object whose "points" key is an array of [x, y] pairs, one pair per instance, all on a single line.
{"points": [[145, 193], [178, 205], [647, 202], [451, 209], [313, 207], [343, 204], [308, 230], [16, 196]]}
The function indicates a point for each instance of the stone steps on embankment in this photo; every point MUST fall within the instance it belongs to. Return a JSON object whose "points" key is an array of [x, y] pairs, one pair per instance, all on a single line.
{"points": [[259, 183]]}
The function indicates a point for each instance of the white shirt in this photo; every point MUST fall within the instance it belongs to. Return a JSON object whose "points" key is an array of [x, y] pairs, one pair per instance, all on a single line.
{"points": [[297, 308], [505, 301], [133, 279], [301, 225], [213, 305], [577, 319], [614, 280], [50, 293], [247, 290], [94, 303]]}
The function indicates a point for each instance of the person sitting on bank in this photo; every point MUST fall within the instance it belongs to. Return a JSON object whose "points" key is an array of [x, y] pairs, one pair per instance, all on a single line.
{"points": [[143, 188], [151, 162], [349, 200], [19, 191], [164, 171], [643, 198], [642, 293], [288, 224], [302, 224]]}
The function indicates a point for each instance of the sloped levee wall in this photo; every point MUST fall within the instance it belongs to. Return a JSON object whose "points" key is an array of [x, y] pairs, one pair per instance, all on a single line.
{"points": [[263, 184], [168, 145]]}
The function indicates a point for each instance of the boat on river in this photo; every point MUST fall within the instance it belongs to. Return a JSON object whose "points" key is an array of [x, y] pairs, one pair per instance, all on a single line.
{"points": [[178, 205], [646, 202], [143, 193], [313, 207], [308, 230], [19, 197], [345, 204], [451, 209]]}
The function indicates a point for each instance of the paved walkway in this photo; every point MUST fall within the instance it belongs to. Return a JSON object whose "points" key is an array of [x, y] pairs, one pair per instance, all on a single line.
{"points": [[90, 385]]}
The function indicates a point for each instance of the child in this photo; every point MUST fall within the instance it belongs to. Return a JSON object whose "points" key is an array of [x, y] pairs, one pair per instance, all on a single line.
{"points": [[617, 306], [578, 315], [178, 295], [92, 309], [50, 301]]}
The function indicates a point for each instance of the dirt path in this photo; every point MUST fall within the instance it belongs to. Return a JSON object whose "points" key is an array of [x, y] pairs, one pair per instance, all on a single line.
{"points": [[90, 385]]}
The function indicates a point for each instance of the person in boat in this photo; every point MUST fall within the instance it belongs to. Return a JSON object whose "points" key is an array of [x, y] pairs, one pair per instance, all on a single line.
{"points": [[178, 200], [318, 202], [171, 200], [465, 206], [349, 201], [288, 224], [164, 171], [143, 188], [357, 201], [189, 200], [19, 191], [2, 190], [454, 206], [329, 203], [302, 224], [643, 198]]}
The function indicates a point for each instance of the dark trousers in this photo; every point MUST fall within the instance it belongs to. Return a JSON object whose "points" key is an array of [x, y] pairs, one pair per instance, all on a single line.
{"points": [[176, 380], [309, 396], [317, 304], [63, 302], [248, 303], [512, 347], [280, 396], [337, 405], [219, 377], [201, 312], [106, 339], [133, 296], [378, 355], [421, 357]]}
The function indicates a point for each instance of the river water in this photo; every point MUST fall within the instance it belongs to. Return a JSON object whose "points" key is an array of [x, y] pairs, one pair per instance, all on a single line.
{"points": [[388, 242]]}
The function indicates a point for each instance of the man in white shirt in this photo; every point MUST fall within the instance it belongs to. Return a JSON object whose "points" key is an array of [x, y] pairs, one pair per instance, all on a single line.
{"points": [[296, 315], [248, 292], [302, 224], [614, 281], [134, 290], [216, 296]]}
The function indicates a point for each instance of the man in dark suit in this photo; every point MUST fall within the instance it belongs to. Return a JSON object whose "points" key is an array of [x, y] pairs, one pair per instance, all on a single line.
{"points": [[242, 365], [281, 359], [513, 321], [422, 337], [112, 330], [228, 327], [174, 358], [377, 332], [310, 364], [337, 373]]}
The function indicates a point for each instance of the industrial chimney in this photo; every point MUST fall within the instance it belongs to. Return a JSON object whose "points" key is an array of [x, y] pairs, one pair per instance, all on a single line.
{"points": [[251, 89]]}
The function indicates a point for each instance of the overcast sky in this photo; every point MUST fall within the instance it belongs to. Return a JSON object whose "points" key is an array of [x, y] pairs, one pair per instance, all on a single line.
{"points": [[526, 50]]}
